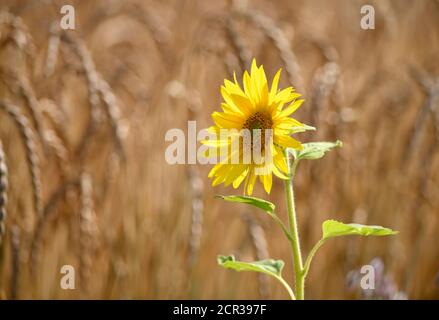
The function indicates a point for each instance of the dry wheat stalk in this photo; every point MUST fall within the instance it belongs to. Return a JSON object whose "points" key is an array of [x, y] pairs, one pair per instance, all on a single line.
{"points": [[55, 115], [20, 87], [280, 41], [49, 214], [15, 248], [419, 225], [159, 31], [228, 59], [431, 88], [328, 51], [28, 138], [33, 106], [55, 135], [113, 113], [323, 84], [97, 87], [196, 186], [56, 119], [18, 33], [52, 49], [3, 191], [332, 87], [57, 145], [88, 229], [48, 137], [112, 168], [92, 84], [430, 106], [260, 246], [238, 44]]}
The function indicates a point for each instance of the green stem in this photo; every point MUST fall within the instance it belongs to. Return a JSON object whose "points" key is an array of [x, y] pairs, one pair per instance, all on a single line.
{"points": [[299, 278], [281, 224], [311, 255], [285, 284]]}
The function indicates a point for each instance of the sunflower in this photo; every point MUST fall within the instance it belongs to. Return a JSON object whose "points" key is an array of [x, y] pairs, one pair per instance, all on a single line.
{"points": [[263, 112]]}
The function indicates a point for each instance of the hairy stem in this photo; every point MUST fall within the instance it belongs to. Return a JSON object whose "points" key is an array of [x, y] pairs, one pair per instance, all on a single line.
{"points": [[311, 255], [299, 278], [289, 290]]}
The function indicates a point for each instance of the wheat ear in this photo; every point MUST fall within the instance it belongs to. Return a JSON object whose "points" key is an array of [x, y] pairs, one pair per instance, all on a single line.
{"points": [[32, 159]]}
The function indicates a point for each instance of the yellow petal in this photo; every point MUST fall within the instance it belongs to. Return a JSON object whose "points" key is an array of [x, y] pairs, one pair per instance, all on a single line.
{"points": [[290, 127], [274, 85], [232, 110], [236, 81], [267, 181], [227, 98], [255, 82], [234, 173], [288, 142], [248, 87], [286, 123], [213, 171], [218, 180], [233, 88], [279, 173], [263, 88], [280, 160], [251, 182], [239, 179], [286, 95], [291, 108], [226, 121], [245, 104]]}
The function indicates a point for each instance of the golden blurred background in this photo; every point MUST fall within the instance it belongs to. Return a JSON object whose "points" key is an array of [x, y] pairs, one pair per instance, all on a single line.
{"points": [[84, 112]]}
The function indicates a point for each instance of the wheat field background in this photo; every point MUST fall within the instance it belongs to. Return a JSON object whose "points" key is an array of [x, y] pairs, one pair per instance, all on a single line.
{"points": [[84, 112]]}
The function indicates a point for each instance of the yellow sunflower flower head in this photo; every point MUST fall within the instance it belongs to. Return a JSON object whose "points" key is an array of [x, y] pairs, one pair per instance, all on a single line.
{"points": [[262, 112]]}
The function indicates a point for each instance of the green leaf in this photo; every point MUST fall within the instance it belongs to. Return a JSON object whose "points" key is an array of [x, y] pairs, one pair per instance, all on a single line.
{"points": [[265, 205], [332, 228], [315, 150], [270, 267], [256, 202]]}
